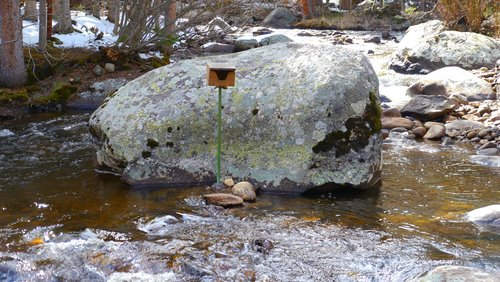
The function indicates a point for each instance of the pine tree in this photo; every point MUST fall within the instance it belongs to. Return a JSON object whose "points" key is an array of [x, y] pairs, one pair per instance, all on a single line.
{"points": [[12, 70]]}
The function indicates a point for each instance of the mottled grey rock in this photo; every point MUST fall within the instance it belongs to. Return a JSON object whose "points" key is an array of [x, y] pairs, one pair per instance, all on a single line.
{"points": [[435, 132], [462, 126], [223, 200], [245, 191], [373, 39], [491, 161], [426, 108], [248, 42], [98, 70], [93, 98], [427, 47], [487, 152], [457, 273], [453, 80], [218, 24], [280, 18], [109, 67], [218, 48], [279, 132]]}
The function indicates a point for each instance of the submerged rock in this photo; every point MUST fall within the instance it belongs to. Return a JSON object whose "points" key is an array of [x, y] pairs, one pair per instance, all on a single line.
{"points": [[457, 273], [289, 125], [223, 200], [93, 98], [427, 47]]}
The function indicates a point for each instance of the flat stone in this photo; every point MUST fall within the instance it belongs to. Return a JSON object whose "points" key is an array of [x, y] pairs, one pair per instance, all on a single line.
{"points": [[393, 122], [426, 108], [223, 200]]}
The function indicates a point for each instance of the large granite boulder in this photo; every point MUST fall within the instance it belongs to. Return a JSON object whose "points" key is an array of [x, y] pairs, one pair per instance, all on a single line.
{"points": [[427, 47], [453, 81], [300, 116]]}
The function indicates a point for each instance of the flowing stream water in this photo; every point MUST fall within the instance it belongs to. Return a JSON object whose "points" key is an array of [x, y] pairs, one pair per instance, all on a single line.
{"points": [[62, 221]]}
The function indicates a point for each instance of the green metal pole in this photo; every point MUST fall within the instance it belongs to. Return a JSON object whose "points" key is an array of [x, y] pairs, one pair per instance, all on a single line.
{"points": [[219, 133]]}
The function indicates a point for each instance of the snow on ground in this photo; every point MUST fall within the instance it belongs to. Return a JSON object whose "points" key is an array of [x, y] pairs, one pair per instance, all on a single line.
{"points": [[89, 26]]}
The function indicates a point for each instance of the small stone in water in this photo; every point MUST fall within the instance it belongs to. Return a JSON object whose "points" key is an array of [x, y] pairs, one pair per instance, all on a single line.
{"points": [[244, 190], [471, 134], [263, 246], [223, 200]]}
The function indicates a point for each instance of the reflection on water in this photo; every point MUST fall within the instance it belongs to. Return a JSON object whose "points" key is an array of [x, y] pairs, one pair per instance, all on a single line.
{"points": [[60, 220]]}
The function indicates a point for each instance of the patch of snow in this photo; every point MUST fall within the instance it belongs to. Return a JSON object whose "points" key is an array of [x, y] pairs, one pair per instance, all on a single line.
{"points": [[89, 26], [149, 55]]}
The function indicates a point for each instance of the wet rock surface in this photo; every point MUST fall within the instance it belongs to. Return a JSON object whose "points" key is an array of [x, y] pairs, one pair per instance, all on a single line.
{"points": [[93, 98], [458, 273]]}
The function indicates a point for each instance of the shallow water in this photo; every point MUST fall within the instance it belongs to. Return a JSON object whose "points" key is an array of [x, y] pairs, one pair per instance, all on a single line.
{"points": [[95, 228]]}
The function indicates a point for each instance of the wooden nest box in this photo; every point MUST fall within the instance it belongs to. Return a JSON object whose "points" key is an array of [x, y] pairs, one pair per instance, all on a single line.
{"points": [[221, 75]]}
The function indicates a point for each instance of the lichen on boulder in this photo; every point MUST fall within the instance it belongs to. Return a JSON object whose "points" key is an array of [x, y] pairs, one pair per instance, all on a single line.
{"points": [[300, 116]]}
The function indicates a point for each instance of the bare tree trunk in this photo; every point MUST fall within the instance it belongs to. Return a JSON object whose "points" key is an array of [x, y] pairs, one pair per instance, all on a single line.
{"points": [[113, 11], [56, 10], [30, 12], [42, 26], [65, 25], [49, 19], [96, 9], [170, 17], [12, 70]]}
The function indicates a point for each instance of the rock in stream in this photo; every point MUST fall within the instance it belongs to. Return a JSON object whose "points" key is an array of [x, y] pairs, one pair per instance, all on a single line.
{"points": [[300, 116]]}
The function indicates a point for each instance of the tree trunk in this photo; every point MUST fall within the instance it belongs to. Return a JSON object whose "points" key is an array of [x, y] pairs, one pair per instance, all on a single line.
{"points": [[49, 19], [42, 26], [170, 17], [96, 9], [12, 70], [30, 12], [114, 11], [56, 10], [65, 25]]}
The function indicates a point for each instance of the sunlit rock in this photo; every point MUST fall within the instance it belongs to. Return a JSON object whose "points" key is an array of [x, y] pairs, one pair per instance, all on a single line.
{"points": [[300, 116], [485, 215]]}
